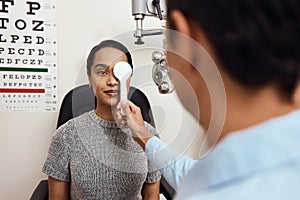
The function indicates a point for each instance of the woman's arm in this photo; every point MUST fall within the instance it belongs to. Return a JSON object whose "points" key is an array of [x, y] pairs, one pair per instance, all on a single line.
{"points": [[58, 190], [150, 191]]}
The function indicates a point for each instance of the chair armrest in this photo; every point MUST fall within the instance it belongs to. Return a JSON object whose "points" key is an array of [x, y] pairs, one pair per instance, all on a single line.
{"points": [[41, 191]]}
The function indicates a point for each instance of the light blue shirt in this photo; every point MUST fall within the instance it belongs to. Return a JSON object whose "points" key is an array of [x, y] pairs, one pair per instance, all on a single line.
{"points": [[260, 162]]}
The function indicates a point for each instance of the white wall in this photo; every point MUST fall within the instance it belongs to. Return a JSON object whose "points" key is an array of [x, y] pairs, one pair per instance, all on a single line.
{"points": [[25, 137]]}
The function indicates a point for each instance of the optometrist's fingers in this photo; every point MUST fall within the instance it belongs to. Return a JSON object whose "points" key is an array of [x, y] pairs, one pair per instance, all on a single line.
{"points": [[132, 118]]}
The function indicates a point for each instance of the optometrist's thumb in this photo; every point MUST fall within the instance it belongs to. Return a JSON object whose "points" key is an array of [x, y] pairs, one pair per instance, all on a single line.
{"points": [[125, 108], [133, 115]]}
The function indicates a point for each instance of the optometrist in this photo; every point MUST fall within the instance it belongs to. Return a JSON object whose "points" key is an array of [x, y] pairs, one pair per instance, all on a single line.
{"points": [[255, 46]]}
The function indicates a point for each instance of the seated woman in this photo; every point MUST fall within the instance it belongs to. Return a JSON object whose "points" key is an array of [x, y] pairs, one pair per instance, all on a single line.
{"points": [[90, 156]]}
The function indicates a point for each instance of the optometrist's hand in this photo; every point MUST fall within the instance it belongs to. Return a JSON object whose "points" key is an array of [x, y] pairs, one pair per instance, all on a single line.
{"points": [[132, 119]]}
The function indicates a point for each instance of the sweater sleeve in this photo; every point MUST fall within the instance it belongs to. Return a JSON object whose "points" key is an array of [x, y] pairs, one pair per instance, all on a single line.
{"points": [[57, 162], [172, 165]]}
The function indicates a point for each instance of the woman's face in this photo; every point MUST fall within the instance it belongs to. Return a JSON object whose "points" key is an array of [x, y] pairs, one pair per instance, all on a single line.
{"points": [[105, 85]]}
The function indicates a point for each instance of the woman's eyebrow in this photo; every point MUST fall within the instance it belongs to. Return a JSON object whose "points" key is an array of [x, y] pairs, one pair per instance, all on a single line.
{"points": [[101, 65]]}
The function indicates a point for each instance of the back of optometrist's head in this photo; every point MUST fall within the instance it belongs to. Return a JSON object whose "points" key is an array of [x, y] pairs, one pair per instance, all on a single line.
{"points": [[107, 43], [256, 41]]}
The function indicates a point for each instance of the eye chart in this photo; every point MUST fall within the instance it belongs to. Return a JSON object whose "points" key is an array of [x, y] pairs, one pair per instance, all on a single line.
{"points": [[28, 56]]}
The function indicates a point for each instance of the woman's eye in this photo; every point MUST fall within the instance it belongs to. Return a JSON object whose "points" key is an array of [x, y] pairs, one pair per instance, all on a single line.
{"points": [[101, 72]]}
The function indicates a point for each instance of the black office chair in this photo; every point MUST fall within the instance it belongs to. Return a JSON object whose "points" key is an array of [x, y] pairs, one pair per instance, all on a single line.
{"points": [[80, 100]]}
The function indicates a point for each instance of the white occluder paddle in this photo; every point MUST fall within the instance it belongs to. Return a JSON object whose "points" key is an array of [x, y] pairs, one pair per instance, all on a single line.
{"points": [[122, 71]]}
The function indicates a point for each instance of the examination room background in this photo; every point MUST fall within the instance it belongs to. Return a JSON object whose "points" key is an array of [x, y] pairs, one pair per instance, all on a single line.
{"points": [[25, 136]]}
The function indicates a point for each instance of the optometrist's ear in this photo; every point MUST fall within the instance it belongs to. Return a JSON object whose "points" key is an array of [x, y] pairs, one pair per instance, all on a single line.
{"points": [[296, 96], [182, 39], [180, 22]]}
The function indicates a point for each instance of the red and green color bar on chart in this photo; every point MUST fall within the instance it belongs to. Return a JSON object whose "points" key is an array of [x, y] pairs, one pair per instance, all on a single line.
{"points": [[22, 90]]}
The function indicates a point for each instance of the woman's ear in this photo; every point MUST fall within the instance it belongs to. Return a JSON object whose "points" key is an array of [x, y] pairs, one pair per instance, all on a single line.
{"points": [[90, 82]]}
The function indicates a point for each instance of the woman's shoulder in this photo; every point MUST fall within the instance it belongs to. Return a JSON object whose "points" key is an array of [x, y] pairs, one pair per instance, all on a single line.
{"points": [[71, 126]]}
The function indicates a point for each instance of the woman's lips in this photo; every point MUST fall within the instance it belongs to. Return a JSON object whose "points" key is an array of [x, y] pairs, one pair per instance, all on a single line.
{"points": [[112, 93]]}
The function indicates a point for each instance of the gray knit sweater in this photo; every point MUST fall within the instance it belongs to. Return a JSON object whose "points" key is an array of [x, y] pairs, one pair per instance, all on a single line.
{"points": [[99, 160]]}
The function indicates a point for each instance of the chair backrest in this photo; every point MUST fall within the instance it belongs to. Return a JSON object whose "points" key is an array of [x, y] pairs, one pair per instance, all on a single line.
{"points": [[81, 99]]}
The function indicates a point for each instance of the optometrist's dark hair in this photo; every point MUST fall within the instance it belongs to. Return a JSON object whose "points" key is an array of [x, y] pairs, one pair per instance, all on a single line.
{"points": [[256, 41], [103, 44]]}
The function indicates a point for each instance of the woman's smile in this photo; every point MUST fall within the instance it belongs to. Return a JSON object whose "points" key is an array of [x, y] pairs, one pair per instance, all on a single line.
{"points": [[112, 92]]}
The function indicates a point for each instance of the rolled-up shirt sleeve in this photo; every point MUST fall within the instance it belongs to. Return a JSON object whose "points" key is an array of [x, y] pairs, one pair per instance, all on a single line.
{"points": [[172, 165], [153, 174]]}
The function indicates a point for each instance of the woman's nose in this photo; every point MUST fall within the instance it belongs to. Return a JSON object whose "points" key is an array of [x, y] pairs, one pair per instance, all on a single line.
{"points": [[112, 80]]}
